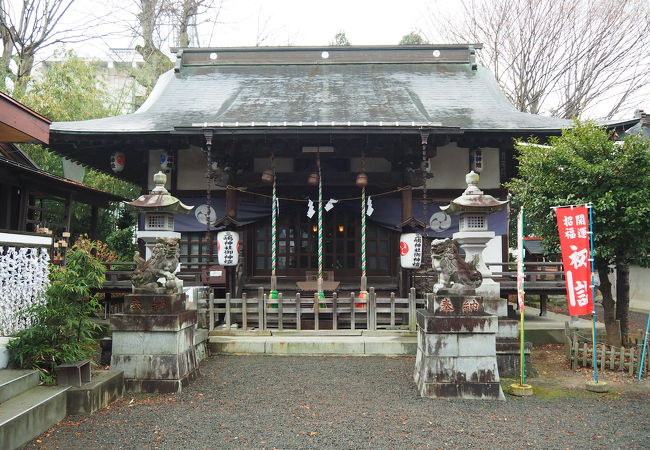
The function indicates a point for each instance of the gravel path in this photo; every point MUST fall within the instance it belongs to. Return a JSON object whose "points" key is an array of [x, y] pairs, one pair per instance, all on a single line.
{"points": [[345, 402]]}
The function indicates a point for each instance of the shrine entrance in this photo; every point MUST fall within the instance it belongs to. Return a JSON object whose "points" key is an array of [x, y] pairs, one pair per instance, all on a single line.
{"points": [[298, 246]]}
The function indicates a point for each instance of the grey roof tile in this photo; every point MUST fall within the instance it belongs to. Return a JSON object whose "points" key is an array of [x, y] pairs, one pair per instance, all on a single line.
{"points": [[379, 94]]}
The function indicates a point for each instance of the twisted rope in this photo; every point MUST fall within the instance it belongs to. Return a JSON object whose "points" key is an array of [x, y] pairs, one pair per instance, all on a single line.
{"points": [[363, 232], [274, 236], [320, 231]]}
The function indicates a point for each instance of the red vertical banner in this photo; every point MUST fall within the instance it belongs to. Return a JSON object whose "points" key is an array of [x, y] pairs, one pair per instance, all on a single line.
{"points": [[573, 227]]}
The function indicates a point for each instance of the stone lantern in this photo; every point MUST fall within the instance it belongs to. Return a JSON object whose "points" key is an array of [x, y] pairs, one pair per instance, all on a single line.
{"points": [[158, 208], [153, 338], [473, 208]]}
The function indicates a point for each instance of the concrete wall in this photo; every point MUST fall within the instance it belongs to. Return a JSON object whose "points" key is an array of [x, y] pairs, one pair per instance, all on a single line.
{"points": [[191, 166], [639, 288], [451, 164]]}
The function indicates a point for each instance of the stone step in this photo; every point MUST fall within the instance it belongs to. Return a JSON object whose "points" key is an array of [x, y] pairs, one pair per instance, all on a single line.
{"points": [[15, 382], [29, 414], [314, 345]]}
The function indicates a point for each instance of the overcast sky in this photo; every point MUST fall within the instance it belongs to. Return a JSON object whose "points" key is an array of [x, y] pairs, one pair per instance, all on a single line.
{"points": [[283, 22]]}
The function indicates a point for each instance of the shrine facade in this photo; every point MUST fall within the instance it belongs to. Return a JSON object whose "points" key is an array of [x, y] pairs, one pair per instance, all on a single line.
{"points": [[414, 119]]}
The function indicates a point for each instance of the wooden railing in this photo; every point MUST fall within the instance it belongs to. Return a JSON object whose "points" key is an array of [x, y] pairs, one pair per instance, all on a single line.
{"points": [[118, 276], [297, 313], [540, 277], [579, 351]]}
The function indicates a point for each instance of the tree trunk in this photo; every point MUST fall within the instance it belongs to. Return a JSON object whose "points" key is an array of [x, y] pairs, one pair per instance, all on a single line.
{"points": [[623, 298], [609, 306]]}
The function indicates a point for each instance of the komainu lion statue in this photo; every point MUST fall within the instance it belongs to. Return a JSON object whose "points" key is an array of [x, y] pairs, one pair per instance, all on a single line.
{"points": [[453, 271], [156, 275]]}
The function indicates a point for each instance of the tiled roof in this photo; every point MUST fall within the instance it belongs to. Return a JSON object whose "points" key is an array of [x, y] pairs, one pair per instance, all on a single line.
{"points": [[296, 87]]}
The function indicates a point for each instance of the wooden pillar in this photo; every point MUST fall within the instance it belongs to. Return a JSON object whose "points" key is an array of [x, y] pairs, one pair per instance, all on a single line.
{"points": [[5, 206], [94, 215], [407, 204], [67, 214], [404, 281], [174, 170], [231, 203], [22, 210]]}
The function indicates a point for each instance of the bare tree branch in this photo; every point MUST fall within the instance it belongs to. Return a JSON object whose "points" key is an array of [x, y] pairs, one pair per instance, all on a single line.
{"points": [[560, 56]]}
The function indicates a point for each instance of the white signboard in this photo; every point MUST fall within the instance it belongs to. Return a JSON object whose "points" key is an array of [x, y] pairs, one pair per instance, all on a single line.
{"points": [[228, 248], [410, 250]]}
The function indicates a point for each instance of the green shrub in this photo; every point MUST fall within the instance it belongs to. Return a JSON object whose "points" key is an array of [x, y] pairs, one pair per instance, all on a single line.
{"points": [[62, 329], [121, 242]]}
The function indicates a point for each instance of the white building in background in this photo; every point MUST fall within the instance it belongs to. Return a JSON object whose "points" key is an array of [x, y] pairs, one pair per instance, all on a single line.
{"points": [[116, 69]]}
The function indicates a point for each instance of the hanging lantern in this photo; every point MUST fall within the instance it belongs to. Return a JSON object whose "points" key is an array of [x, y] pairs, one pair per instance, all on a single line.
{"points": [[228, 248], [117, 161], [410, 250], [362, 180], [268, 176], [313, 179]]}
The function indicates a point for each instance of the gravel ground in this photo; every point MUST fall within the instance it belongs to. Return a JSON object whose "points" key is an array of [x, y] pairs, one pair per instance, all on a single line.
{"points": [[346, 402]]}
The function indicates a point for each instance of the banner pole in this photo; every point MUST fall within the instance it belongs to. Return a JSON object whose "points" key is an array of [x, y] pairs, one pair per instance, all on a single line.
{"points": [[645, 347], [593, 290], [522, 389], [522, 357]]}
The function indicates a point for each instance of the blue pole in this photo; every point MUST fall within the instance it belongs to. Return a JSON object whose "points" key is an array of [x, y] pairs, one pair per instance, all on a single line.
{"points": [[645, 347], [593, 289]]}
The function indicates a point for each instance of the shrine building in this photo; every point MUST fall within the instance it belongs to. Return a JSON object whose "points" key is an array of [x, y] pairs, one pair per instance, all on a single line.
{"points": [[414, 119]]}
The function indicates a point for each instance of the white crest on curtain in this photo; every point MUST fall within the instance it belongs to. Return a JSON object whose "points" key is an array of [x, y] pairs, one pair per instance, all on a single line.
{"points": [[23, 279]]}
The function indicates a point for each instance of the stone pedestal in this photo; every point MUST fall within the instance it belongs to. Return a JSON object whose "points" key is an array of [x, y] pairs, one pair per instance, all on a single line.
{"points": [[456, 355], [508, 351], [153, 343]]}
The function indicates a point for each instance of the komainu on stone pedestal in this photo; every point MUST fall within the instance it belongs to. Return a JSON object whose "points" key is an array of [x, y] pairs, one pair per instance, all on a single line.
{"points": [[453, 271], [153, 340], [157, 274], [456, 355]]}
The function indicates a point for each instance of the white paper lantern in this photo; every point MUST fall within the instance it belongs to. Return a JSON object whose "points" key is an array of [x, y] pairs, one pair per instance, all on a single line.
{"points": [[410, 250], [228, 248], [117, 161]]}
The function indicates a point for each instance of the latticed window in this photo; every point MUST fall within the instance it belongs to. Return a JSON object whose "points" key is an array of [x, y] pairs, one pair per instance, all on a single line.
{"points": [[195, 251], [475, 222], [159, 222]]}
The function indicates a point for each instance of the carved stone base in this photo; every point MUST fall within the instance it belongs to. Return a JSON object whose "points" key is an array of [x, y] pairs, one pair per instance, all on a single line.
{"points": [[155, 351], [456, 355], [154, 303]]}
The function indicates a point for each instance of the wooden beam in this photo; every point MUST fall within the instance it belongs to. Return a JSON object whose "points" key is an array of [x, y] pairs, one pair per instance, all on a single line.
{"points": [[21, 124]]}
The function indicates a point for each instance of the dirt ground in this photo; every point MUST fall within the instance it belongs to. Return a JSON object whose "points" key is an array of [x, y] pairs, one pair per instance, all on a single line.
{"points": [[556, 379]]}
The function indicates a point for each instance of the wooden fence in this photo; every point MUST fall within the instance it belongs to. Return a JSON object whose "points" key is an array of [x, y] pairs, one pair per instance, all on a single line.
{"points": [[298, 313], [580, 353]]}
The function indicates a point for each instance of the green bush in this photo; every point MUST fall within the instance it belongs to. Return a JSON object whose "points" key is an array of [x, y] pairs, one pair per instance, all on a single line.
{"points": [[121, 242], [62, 329]]}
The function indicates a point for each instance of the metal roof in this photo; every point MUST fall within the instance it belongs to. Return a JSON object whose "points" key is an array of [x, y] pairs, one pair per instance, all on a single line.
{"points": [[323, 88], [55, 185]]}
